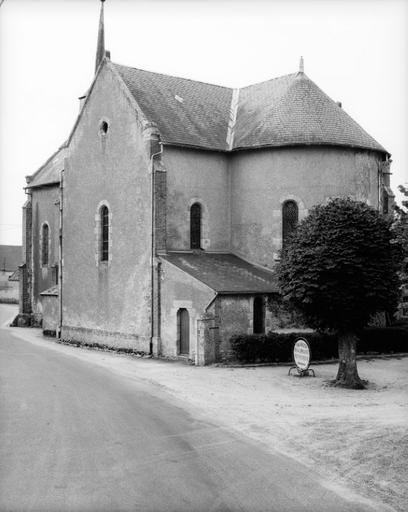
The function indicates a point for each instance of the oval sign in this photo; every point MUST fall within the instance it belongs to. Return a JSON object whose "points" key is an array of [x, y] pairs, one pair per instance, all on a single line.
{"points": [[302, 354]]}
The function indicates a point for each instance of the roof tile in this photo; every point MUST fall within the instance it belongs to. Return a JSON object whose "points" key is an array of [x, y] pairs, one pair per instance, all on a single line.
{"points": [[285, 111]]}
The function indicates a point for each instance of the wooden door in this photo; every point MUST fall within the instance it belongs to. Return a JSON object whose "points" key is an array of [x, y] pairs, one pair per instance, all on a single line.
{"points": [[184, 331]]}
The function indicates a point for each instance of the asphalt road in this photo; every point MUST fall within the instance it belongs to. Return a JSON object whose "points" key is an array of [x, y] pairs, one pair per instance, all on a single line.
{"points": [[77, 437]]}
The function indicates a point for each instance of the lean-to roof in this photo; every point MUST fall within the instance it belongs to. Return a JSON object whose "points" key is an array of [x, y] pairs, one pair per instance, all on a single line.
{"points": [[49, 173], [224, 273]]}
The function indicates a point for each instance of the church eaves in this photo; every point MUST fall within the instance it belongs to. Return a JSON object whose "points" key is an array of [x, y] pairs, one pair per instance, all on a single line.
{"points": [[286, 111]]}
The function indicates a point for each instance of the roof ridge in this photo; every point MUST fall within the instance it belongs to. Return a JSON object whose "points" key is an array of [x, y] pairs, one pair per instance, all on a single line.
{"points": [[209, 83], [272, 79], [174, 76], [233, 111]]}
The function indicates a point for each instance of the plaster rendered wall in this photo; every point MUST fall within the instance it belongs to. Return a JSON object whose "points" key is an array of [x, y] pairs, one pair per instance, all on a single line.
{"points": [[179, 290], [50, 307], [197, 176], [262, 180], [44, 209], [107, 302]]}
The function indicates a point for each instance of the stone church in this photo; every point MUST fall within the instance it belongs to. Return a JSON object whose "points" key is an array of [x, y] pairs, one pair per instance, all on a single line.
{"points": [[157, 225]]}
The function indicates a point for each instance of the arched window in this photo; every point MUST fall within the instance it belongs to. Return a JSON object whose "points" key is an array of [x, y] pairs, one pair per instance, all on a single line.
{"points": [[104, 218], [195, 226], [290, 217], [259, 316], [45, 231]]}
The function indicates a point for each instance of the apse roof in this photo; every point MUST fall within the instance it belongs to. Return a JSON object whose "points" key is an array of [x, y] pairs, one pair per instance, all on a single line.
{"points": [[224, 273], [285, 111]]}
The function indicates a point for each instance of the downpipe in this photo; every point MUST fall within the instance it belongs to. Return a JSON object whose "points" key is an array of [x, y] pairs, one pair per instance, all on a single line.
{"points": [[153, 245]]}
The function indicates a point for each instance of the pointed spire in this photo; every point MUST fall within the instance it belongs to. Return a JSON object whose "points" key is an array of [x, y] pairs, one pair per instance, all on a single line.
{"points": [[100, 49], [301, 65]]}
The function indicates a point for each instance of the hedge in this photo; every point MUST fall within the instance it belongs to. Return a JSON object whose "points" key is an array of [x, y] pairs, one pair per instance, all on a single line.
{"points": [[277, 347]]}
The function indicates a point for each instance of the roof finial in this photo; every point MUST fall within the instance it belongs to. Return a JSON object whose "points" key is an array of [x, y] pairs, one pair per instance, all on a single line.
{"points": [[100, 48], [301, 65]]}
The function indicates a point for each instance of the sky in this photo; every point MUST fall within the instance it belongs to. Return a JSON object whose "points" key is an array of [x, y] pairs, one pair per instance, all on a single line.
{"points": [[355, 50]]}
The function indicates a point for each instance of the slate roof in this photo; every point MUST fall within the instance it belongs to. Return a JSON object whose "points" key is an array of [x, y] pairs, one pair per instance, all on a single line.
{"points": [[49, 172], [199, 118], [10, 257], [285, 111], [293, 110], [224, 273]]}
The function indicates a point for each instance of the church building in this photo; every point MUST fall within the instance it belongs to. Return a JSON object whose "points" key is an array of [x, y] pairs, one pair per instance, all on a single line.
{"points": [[157, 225]]}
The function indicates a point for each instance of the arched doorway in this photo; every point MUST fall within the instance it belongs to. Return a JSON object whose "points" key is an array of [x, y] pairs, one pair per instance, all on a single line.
{"points": [[183, 331]]}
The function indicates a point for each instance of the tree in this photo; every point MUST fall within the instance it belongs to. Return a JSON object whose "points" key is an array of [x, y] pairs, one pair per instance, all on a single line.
{"points": [[339, 268], [400, 230]]}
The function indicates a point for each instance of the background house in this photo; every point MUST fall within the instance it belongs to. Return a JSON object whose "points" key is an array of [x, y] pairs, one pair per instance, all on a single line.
{"points": [[10, 259]]}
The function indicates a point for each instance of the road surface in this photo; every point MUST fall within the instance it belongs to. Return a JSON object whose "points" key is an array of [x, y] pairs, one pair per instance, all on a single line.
{"points": [[77, 437]]}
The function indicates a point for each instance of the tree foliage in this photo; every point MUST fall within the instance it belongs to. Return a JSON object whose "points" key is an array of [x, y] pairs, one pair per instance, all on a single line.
{"points": [[340, 267], [400, 231]]}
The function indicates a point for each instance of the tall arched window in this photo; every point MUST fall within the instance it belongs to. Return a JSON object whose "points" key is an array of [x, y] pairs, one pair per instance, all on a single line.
{"points": [[259, 316], [290, 217], [45, 232], [104, 214], [195, 226]]}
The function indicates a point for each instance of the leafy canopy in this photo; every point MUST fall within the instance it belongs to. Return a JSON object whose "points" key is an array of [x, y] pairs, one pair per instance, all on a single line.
{"points": [[400, 230], [339, 266]]}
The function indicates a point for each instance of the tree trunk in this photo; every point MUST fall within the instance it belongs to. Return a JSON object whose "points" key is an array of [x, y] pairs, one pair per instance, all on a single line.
{"points": [[347, 375]]}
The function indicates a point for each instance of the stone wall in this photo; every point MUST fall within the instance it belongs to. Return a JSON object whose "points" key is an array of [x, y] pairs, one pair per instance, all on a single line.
{"points": [[45, 209], [25, 277]]}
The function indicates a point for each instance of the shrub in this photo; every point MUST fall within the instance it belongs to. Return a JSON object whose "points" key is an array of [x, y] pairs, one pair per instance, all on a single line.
{"points": [[277, 347], [385, 340]]}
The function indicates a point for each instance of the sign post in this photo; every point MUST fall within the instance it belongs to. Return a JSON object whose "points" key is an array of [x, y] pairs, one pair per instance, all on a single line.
{"points": [[302, 356]]}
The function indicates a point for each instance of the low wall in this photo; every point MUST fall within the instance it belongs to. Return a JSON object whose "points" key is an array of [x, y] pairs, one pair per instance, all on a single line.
{"points": [[115, 340]]}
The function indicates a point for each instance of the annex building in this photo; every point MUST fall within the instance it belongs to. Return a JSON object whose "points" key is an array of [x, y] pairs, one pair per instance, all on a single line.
{"points": [[157, 225]]}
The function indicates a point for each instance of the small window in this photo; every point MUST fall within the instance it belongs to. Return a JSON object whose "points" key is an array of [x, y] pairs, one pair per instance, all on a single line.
{"points": [[195, 226], [259, 316], [104, 214], [44, 244], [290, 217], [104, 127]]}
